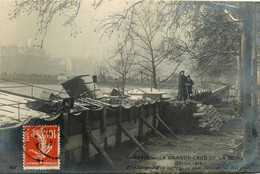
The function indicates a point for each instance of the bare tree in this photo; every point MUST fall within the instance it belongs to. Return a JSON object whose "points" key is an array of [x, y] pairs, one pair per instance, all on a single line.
{"points": [[147, 27], [120, 65], [46, 10]]}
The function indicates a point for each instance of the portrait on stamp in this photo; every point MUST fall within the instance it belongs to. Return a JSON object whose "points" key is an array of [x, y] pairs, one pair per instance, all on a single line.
{"points": [[41, 147]]}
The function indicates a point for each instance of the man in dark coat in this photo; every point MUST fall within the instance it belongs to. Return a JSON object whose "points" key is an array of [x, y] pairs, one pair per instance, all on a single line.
{"points": [[189, 85], [182, 92]]}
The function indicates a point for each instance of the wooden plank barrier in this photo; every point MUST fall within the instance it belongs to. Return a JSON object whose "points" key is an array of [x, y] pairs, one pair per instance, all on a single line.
{"points": [[134, 140]]}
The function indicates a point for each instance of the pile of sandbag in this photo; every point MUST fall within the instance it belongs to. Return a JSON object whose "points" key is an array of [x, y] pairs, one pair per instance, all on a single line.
{"points": [[208, 117]]}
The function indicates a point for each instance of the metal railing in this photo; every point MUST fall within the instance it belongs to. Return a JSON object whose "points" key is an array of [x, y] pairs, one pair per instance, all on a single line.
{"points": [[15, 105], [21, 85], [32, 87]]}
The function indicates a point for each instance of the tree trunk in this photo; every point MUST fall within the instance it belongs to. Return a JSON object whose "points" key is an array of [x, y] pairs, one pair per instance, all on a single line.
{"points": [[246, 58], [254, 73], [123, 84], [239, 78], [239, 83], [154, 73], [154, 79]]}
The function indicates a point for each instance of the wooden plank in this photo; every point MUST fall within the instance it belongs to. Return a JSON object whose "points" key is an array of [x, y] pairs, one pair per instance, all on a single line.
{"points": [[165, 125], [154, 113], [141, 128], [66, 127], [103, 126], [154, 129], [134, 140], [103, 120], [85, 140], [100, 149]]}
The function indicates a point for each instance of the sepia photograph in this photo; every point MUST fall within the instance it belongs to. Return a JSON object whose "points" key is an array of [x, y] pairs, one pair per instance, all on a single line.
{"points": [[129, 86]]}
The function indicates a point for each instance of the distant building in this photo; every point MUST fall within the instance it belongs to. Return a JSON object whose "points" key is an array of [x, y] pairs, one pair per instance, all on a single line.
{"points": [[62, 77], [25, 60]]}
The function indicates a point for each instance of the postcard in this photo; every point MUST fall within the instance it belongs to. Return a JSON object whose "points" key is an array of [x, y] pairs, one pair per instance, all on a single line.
{"points": [[122, 86]]}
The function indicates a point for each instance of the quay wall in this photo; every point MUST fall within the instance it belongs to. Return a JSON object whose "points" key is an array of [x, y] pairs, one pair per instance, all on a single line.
{"points": [[103, 125]]}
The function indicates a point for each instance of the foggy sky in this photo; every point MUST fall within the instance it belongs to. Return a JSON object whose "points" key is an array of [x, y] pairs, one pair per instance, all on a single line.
{"points": [[58, 42]]}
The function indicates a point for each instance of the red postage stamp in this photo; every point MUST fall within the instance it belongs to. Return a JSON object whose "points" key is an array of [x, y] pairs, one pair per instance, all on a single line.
{"points": [[41, 145]]}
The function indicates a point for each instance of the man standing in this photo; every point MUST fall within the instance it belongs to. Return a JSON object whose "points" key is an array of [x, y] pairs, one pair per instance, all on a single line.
{"points": [[189, 85], [182, 92]]}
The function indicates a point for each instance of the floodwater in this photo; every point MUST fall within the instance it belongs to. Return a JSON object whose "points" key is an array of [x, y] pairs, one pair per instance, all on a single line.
{"points": [[37, 89]]}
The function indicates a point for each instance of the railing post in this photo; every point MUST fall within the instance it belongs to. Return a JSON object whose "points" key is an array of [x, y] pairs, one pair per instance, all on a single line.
{"points": [[18, 112], [103, 125], [31, 91]]}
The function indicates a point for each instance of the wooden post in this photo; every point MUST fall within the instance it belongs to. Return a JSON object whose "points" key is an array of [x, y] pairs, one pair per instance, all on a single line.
{"points": [[66, 127], [118, 122], [155, 130], [154, 113], [85, 140], [160, 109], [134, 113], [141, 127], [65, 133], [103, 125], [129, 114], [103, 120]]}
